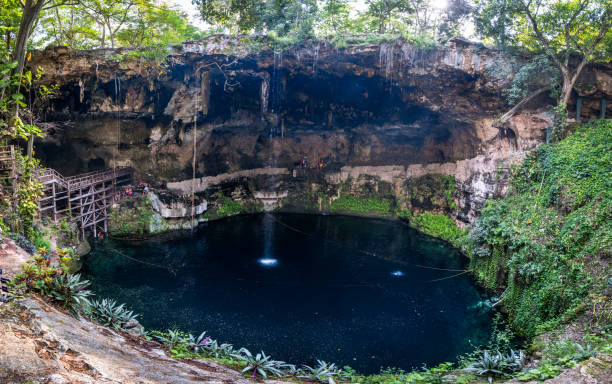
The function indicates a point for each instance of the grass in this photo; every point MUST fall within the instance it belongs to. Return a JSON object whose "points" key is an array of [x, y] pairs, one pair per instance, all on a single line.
{"points": [[229, 207], [367, 205], [437, 225]]}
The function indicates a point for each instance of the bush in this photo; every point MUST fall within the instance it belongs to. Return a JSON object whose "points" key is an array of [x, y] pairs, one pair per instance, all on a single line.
{"points": [[23, 243], [52, 281], [538, 243], [437, 225], [369, 205]]}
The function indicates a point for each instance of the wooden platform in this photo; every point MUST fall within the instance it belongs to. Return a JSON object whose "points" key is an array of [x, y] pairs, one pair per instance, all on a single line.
{"points": [[83, 198]]}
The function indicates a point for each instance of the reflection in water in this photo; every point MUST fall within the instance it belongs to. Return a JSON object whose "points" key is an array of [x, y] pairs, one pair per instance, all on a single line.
{"points": [[353, 291]]}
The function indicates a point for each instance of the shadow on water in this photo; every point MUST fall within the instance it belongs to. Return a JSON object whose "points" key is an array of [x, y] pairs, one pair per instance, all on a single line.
{"points": [[355, 291]]}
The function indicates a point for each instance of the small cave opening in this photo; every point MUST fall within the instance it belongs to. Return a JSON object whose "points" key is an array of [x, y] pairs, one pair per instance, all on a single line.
{"points": [[96, 164]]}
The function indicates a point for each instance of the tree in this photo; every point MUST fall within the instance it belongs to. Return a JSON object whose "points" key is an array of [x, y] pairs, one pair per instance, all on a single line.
{"points": [[10, 16], [570, 32], [66, 26], [334, 17], [236, 15], [110, 15], [154, 25], [288, 18], [382, 12]]}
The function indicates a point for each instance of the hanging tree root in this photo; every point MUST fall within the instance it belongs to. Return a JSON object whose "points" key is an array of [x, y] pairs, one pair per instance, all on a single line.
{"points": [[501, 121]]}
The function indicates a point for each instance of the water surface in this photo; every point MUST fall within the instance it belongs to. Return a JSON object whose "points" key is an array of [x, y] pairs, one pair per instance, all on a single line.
{"points": [[348, 290]]}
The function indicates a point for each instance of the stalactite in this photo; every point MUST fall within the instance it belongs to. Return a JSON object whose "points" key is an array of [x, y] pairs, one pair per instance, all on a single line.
{"points": [[81, 91], [386, 55], [264, 95], [205, 92]]}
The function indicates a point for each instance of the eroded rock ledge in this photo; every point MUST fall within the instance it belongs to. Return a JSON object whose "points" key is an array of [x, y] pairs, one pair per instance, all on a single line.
{"points": [[44, 345], [358, 110]]}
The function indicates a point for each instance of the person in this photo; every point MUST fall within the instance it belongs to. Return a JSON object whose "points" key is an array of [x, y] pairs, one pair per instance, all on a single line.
{"points": [[100, 235], [145, 190]]}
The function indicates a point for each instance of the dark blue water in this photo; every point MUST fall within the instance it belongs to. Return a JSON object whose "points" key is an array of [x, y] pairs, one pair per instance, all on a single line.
{"points": [[302, 287]]}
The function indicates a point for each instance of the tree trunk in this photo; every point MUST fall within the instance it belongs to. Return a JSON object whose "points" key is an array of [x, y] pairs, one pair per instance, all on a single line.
{"points": [[566, 91], [103, 41], [112, 37], [31, 10]]}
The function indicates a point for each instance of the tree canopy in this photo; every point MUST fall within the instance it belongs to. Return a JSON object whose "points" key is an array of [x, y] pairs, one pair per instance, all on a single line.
{"points": [[571, 33]]}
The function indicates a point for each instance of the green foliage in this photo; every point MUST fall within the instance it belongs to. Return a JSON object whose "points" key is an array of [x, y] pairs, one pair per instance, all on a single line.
{"points": [[434, 375], [495, 363], [565, 354], [543, 242], [367, 205], [433, 191], [323, 372], [260, 364], [229, 207], [69, 290], [29, 190], [437, 225], [570, 25], [403, 214], [91, 24], [39, 241], [540, 71], [134, 221], [109, 314], [23, 242], [52, 281]]}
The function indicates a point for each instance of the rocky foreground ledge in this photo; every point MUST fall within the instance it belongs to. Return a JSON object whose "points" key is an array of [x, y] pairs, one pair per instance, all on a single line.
{"points": [[41, 344]]}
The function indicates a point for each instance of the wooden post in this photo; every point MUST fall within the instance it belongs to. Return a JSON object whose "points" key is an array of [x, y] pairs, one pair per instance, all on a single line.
{"points": [[578, 108], [104, 202], [54, 203], [81, 211], [93, 210], [69, 203], [602, 109]]}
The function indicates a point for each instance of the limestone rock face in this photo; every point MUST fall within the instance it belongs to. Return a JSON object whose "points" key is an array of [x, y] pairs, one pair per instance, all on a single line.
{"points": [[40, 344], [175, 209], [363, 107]]}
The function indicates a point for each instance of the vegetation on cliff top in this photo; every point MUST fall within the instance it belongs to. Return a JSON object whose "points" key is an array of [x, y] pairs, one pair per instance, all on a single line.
{"points": [[546, 246]]}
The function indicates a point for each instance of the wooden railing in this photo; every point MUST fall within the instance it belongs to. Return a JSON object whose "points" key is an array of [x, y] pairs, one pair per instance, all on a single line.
{"points": [[82, 198]]}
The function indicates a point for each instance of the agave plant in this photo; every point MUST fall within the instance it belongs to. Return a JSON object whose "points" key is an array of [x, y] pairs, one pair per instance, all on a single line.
{"points": [[493, 363], [260, 364], [174, 338], [213, 349], [585, 351], [323, 372], [514, 361], [70, 290], [108, 313]]}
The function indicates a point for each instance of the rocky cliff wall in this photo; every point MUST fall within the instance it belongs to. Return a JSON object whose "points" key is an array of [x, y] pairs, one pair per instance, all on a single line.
{"points": [[388, 111]]}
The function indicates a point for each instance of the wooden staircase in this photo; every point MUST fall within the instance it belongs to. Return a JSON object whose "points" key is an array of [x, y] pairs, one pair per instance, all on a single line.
{"points": [[83, 198]]}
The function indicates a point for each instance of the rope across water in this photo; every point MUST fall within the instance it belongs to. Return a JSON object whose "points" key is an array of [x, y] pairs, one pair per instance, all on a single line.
{"points": [[461, 271]]}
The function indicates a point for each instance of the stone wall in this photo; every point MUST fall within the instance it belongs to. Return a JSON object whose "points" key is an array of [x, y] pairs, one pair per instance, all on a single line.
{"points": [[389, 111]]}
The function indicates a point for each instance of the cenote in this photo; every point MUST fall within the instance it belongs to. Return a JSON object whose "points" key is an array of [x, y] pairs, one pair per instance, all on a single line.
{"points": [[361, 292]]}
